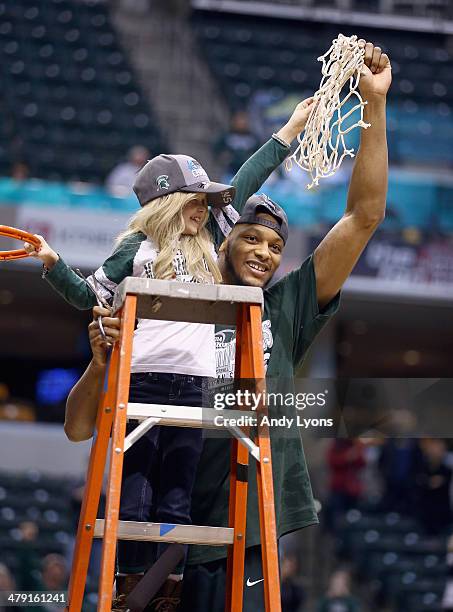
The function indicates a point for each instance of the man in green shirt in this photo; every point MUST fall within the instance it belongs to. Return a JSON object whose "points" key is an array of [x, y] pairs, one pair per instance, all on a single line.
{"points": [[296, 308]]}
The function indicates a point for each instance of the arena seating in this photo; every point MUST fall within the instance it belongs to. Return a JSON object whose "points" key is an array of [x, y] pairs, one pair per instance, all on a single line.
{"points": [[249, 54], [406, 569], [424, 8], [66, 84], [46, 502]]}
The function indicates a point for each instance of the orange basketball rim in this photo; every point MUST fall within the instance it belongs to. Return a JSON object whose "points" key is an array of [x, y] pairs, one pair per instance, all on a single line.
{"points": [[12, 232]]}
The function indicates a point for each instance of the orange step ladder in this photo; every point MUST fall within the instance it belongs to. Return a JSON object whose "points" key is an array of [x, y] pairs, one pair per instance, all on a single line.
{"points": [[193, 303]]}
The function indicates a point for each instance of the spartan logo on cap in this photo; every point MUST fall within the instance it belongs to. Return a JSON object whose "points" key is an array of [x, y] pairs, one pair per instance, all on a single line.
{"points": [[195, 168], [162, 182]]}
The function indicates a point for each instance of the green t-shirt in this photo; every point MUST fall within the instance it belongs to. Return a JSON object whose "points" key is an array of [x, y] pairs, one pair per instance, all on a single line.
{"points": [[291, 321]]}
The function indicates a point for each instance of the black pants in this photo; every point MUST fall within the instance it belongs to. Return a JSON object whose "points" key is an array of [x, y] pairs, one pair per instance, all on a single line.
{"points": [[204, 585], [159, 469]]}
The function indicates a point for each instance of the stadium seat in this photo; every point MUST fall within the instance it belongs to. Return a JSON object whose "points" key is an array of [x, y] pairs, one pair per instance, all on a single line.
{"points": [[248, 55], [66, 78], [405, 570], [46, 501]]}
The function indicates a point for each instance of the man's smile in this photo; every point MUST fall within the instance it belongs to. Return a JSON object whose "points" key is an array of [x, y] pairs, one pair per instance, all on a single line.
{"points": [[257, 268]]}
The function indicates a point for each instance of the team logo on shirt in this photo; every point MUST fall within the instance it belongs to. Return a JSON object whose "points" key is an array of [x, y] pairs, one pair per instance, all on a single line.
{"points": [[148, 269], [225, 349], [268, 341], [179, 263], [180, 269]]}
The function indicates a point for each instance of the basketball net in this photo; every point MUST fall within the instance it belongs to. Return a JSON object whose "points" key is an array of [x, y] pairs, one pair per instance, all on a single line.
{"points": [[323, 148]]}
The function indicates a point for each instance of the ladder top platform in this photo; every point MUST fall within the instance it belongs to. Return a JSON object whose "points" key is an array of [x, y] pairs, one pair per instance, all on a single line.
{"points": [[189, 302]]}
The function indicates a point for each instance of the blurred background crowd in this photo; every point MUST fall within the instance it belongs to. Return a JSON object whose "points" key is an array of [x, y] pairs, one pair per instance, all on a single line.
{"points": [[91, 89]]}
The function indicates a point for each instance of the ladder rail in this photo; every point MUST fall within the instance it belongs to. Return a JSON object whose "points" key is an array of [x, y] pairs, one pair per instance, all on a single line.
{"points": [[92, 494], [117, 452], [268, 527], [237, 516]]}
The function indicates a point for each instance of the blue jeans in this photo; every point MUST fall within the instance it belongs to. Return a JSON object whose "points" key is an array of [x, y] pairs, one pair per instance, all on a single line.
{"points": [[159, 469]]}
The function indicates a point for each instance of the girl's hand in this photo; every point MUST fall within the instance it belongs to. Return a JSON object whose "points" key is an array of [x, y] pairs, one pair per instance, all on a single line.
{"points": [[297, 121], [45, 253]]}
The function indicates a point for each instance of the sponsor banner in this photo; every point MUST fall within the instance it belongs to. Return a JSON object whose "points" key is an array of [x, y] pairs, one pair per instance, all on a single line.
{"points": [[417, 269], [431, 262], [83, 238], [391, 259]]}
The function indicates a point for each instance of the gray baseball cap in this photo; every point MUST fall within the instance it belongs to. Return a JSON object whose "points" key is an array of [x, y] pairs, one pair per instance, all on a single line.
{"points": [[169, 173], [262, 203]]}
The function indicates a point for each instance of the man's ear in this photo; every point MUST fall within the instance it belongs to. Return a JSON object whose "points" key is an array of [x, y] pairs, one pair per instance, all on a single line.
{"points": [[223, 246]]}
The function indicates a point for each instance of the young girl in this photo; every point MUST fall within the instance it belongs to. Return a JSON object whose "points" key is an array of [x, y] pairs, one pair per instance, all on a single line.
{"points": [[169, 238], [166, 239]]}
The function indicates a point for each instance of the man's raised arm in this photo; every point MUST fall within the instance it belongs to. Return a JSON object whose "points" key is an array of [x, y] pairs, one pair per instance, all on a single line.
{"points": [[337, 254], [83, 400]]}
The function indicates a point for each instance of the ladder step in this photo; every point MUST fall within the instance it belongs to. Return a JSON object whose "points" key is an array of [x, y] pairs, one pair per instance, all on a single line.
{"points": [[190, 302], [191, 416], [167, 532]]}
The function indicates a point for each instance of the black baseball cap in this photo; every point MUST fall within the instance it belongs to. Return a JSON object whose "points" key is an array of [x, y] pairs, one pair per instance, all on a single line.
{"points": [[262, 203], [169, 173]]}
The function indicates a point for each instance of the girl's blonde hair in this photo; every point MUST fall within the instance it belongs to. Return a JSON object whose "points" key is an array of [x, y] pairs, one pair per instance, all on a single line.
{"points": [[162, 220]]}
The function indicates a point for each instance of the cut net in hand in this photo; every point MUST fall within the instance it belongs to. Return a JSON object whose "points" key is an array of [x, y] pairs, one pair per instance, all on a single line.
{"points": [[323, 148]]}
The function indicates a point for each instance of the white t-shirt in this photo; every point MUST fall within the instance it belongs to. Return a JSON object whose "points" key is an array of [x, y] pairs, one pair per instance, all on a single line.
{"points": [[171, 346]]}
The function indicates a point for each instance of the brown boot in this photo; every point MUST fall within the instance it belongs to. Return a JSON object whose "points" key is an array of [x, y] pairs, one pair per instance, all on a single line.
{"points": [[167, 598], [124, 585]]}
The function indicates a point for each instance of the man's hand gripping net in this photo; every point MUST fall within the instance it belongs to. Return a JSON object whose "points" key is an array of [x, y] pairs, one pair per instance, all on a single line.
{"points": [[319, 152]]}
